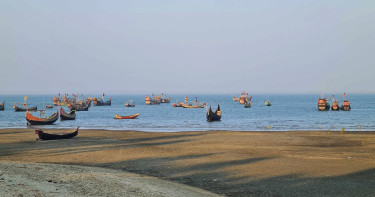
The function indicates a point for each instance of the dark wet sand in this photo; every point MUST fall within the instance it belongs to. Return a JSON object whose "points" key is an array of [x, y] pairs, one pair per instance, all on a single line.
{"points": [[223, 162]]}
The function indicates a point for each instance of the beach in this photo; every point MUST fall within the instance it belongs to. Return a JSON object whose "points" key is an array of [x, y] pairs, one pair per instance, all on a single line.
{"points": [[194, 163]]}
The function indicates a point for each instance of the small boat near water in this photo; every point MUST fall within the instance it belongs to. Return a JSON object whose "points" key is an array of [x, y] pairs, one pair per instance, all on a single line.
{"points": [[127, 117], [345, 104], [130, 104], [2, 106], [335, 104], [268, 103], [52, 136], [213, 116], [323, 104], [67, 116], [18, 109], [33, 120]]}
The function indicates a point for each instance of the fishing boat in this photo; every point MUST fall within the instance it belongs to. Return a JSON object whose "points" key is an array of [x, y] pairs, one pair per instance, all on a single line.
{"points": [[130, 104], [163, 98], [193, 105], [247, 104], [345, 104], [152, 100], [52, 136], [236, 99], [335, 104], [244, 98], [33, 120], [49, 106], [18, 109], [2, 106], [177, 104], [268, 103], [98, 102], [213, 116], [79, 107], [323, 104], [126, 117], [67, 116]]}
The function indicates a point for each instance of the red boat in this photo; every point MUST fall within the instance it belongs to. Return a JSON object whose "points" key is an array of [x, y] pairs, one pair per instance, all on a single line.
{"points": [[126, 117], [33, 120]]}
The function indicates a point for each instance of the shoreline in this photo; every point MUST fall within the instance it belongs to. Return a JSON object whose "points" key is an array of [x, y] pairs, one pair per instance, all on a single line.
{"points": [[230, 163]]}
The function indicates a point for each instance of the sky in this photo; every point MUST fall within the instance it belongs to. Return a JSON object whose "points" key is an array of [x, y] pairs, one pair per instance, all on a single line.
{"points": [[195, 46]]}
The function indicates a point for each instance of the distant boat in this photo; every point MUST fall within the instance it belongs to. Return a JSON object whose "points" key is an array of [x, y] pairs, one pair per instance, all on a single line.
{"points": [[130, 104], [67, 116], [323, 104], [335, 104], [49, 106], [79, 107], [247, 105], [18, 109], [268, 103], [345, 104], [213, 116], [152, 100], [49, 136], [98, 102], [236, 99], [126, 117], [177, 104], [33, 120], [194, 105], [2, 106]]}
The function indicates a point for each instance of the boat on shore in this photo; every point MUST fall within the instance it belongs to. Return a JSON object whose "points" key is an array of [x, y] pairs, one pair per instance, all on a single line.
{"points": [[33, 120], [335, 104], [268, 103], [67, 116], [2, 106], [51, 136], [345, 104], [213, 116], [323, 104], [127, 117]]}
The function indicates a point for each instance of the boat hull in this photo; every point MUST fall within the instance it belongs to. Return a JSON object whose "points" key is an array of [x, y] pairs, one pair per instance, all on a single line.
{"points": [[32, 120], [126, 117], [67, 116], [48, 136], [213, 116], [18, 109]]}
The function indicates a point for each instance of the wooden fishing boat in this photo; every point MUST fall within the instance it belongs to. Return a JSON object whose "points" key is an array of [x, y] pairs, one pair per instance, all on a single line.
{"points": [[79, 107], [335, 104], [52, 136], [2, 106], [244, 98], [268, 103], [98, 102], [213, 116], [345, 104], [126, 117], [18, 109], [194, 105], [33, 120], [152, 100], [236, 99], [130, 104], [49, 106], [67, 116], [323, 104], [177, 104]]}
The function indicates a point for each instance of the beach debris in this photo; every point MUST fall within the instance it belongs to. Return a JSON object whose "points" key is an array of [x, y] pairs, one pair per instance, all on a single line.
{"points": [[342, 130]]}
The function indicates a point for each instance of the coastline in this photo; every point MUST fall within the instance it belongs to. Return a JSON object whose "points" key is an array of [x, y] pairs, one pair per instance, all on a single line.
{"points": [[230, 163]]}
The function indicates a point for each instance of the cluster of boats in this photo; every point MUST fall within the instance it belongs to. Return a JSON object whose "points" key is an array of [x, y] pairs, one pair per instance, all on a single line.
{"points": [[323, 104]]}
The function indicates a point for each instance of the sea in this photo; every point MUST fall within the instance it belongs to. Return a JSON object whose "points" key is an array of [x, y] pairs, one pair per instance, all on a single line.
{"points": [[287, 113]]}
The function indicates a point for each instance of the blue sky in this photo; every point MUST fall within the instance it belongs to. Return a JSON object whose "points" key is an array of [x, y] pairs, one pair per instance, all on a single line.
{"points": [[197, 46]]}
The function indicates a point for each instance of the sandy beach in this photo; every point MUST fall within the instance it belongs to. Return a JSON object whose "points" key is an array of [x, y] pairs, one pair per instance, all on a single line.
{"points": [[205, 163]]}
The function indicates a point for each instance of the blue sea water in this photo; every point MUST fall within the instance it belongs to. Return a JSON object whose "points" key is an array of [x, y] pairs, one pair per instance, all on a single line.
{"points": [[288, 112]]}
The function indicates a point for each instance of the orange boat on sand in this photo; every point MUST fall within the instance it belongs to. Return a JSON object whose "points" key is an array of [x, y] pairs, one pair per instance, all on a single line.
{"points": [[126, 117]]}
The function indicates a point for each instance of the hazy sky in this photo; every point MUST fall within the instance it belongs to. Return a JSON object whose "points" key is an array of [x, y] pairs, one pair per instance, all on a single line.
{"points": [[194, 46]]}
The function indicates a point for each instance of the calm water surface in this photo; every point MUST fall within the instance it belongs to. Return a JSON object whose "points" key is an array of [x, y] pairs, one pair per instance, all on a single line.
{"points": [[288, 112]]}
